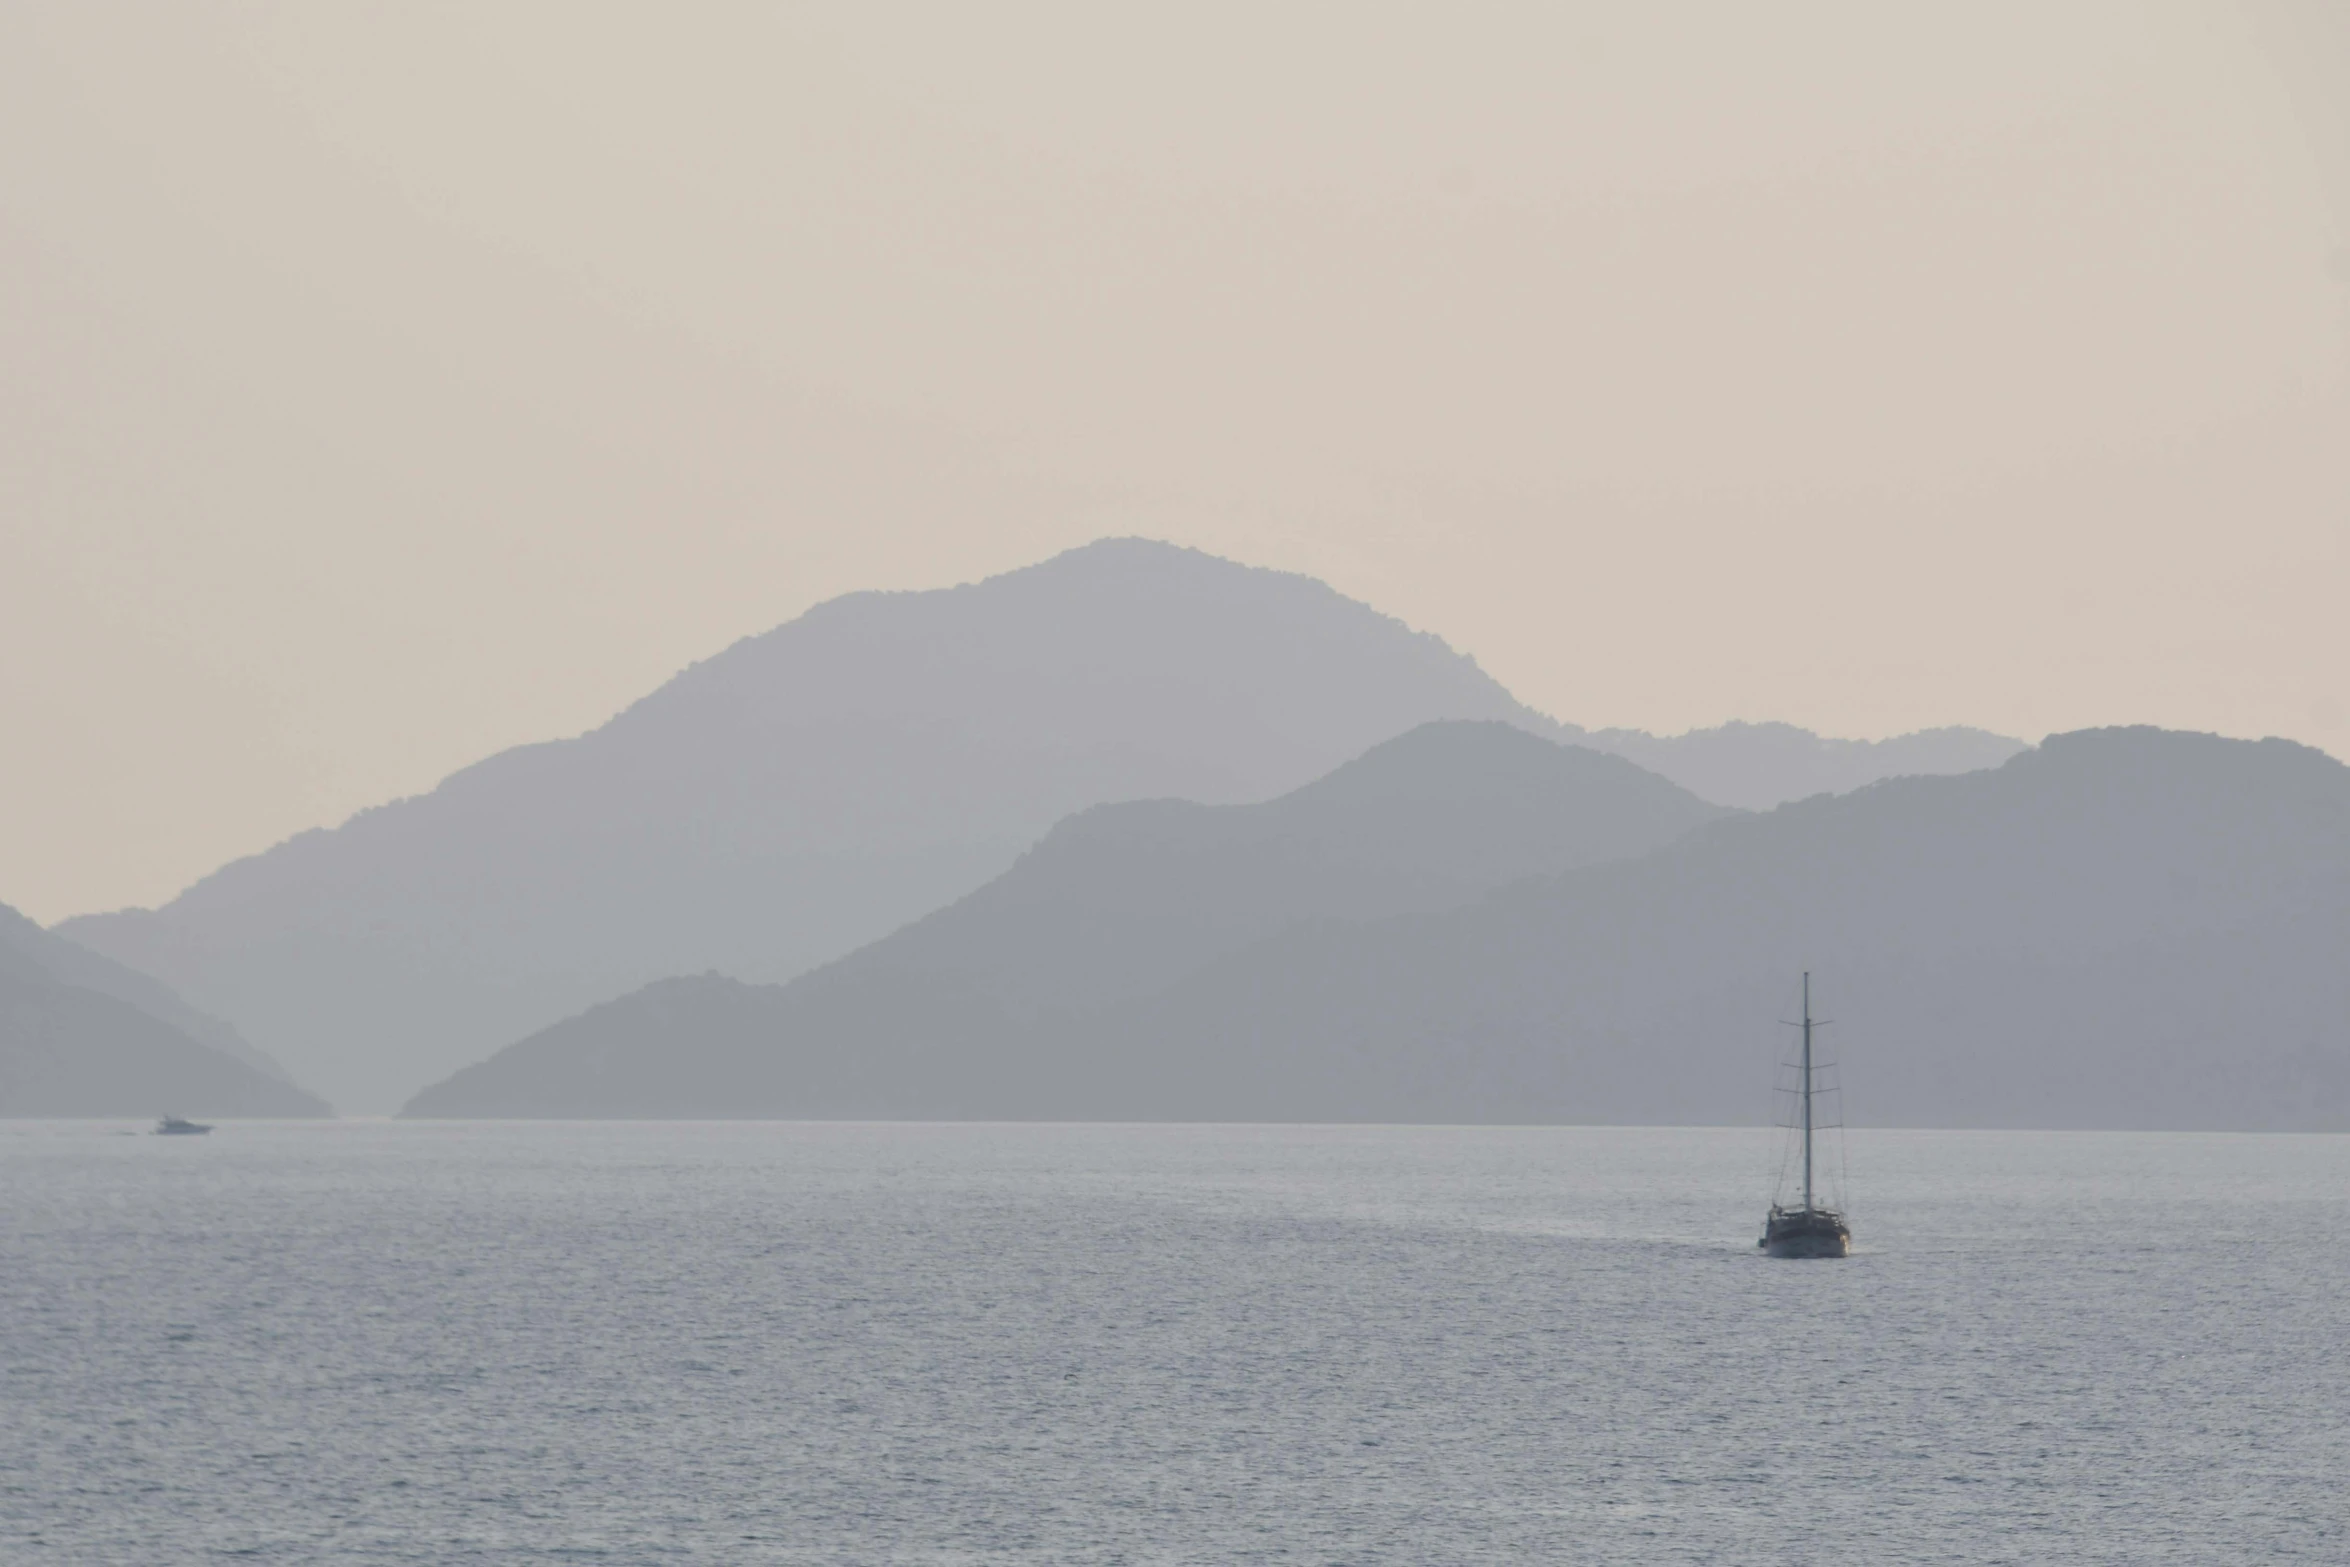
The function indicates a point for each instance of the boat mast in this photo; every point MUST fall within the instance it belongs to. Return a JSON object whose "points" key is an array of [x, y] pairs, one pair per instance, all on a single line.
{"points": [[1807, 1090]]}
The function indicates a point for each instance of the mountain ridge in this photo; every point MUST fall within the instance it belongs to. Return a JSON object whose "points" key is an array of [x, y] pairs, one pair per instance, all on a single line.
{"points": [[73, 964], [797, 794], [82, 1036], [2011, 946], [803, 791], [1118, 900]]}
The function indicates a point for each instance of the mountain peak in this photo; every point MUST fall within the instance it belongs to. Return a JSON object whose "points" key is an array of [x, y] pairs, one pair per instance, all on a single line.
{"points": [[788, 799]]}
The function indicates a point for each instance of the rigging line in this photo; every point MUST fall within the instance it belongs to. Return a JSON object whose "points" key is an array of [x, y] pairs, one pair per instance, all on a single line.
{"points": [[1843, 1173]]}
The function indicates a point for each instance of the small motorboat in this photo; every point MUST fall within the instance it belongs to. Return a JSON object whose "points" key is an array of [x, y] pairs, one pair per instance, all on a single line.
{"points": [[173, 1126]]}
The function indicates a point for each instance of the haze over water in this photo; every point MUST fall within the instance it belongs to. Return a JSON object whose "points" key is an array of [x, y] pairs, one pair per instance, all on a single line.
{"points": [[1068, 1343]]}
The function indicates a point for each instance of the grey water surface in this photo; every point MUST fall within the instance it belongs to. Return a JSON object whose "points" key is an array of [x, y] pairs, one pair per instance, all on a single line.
{"points": [[773, 1342]]}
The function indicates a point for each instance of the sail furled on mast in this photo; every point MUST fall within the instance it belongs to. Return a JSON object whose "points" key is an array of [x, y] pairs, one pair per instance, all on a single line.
{"points": [[1810, 1101]]}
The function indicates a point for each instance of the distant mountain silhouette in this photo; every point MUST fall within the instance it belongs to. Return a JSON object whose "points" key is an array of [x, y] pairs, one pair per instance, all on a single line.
{"points": [[804, 792], [1757, 766], [1122, 900], [81, 1035], [70, 963], [786, 801], [2122, 928]]}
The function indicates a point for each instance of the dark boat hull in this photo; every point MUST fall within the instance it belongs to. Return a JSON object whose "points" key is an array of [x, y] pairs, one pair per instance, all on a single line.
{"points": [[1805, 1233]]}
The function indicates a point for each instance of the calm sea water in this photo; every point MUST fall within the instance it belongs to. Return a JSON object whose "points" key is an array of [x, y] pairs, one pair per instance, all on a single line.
{"points": [[976, 1344]]}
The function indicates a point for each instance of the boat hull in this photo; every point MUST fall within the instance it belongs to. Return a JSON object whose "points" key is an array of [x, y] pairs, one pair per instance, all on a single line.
{"points": [[1817, 1233]]}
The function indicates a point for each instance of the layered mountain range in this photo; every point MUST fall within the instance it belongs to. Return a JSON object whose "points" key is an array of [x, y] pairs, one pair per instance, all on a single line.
{"points": [[810, 790], [81, 1035], [1115, 904], [2120, 928]]}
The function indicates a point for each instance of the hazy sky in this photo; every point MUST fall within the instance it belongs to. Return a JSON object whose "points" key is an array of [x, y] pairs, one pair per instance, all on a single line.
{"points": [[382, 386]]}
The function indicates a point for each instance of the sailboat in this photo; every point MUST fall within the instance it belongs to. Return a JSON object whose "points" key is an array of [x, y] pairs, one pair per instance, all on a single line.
{"points": [[1809, 1230]]}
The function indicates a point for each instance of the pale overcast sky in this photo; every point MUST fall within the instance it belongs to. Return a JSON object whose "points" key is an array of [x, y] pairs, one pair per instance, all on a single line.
{"points": [[384, 385]]}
